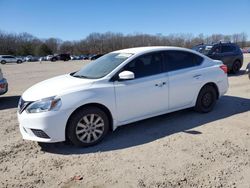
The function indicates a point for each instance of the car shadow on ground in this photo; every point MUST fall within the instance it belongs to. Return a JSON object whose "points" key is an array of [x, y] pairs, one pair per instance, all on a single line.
{"points": [[240, 73], [156, 128], [9, 102]]}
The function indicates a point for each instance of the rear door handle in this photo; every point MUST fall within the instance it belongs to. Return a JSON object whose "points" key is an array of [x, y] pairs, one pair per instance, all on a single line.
{"points": [[161, 84], [197, 76]]}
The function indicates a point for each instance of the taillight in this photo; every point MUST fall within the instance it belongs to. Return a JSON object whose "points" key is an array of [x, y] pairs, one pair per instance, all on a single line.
{"points": [[2, 86], [224, 68]]}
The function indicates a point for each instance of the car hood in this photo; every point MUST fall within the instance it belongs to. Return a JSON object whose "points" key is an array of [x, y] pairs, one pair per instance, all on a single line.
{"points": [[56, 86]]}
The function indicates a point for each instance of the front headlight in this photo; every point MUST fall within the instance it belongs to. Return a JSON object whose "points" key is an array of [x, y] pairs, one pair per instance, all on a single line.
{"points": [[44, 105]]}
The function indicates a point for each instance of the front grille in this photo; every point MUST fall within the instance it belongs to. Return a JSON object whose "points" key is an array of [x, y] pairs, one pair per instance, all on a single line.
{"points": [[22, 105], [39, 133]]}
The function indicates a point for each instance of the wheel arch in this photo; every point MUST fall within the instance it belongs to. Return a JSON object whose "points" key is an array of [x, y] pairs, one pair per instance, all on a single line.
{"points": [[214, 86], [239, 60], [97, 105]]}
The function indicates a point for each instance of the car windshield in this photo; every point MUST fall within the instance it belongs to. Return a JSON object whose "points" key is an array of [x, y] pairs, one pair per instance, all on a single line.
{"points": [[204, 49], [102, 66]]}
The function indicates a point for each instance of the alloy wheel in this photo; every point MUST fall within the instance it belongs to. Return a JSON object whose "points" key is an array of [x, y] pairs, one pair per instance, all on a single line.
{"points": [[90, 128]]}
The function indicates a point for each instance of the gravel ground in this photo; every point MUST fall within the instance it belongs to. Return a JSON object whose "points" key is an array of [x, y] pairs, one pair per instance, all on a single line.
{"points": [[181, 149]]}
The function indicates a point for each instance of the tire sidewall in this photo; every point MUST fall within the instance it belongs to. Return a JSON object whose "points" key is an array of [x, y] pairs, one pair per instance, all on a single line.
{"points": [[75, 118], [234, 68], [3, 62], [199, 106]]}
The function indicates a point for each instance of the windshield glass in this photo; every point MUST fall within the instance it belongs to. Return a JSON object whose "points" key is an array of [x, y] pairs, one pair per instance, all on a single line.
{"points": [[102, 66], [204, 49]]}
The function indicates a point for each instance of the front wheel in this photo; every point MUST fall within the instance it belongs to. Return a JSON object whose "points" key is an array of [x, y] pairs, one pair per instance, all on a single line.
{"points": [[19, 61], [87, 127], [3, 62], [206, 99]]}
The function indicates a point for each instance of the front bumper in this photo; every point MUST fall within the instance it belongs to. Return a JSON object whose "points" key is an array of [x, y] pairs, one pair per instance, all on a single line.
{"points": [[3, 86], [37, 125]]}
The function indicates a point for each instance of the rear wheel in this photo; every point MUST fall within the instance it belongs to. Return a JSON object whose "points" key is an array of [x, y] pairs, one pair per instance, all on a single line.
{"points": [[53, 59], [87, 127], [3, 62], [206, 99], [236, 67], [19, 61]]}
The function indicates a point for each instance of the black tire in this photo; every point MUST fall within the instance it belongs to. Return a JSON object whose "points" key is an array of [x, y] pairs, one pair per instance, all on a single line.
{"points": [[3, 62], [206, 99], [53, 59], [19, 61], [236, 67], [77, 117]]}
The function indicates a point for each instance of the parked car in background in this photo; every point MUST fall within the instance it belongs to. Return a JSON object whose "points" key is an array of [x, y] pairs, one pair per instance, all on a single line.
{"points": [[119, 88], [248, 70], [73, 57], [22, 58], [9, 59], [94, 57], [3, 84], [62, 57], [48, 57], [82, 57], [245, 50], [31, 58], [43, 58], [229, 53], [86, 57]]}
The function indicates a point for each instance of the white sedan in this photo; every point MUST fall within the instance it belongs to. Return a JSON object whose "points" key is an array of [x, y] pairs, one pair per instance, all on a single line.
{"points": [[119, 88]]}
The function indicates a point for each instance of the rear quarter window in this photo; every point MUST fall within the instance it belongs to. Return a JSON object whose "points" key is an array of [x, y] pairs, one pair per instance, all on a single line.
{"points": [[228, 48], [176, 60]]}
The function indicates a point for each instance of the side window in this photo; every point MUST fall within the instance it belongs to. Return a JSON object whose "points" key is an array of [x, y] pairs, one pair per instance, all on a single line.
{"points": [[216, 49], [226, 49], [146, 65], [8, 56], [176, 60]]}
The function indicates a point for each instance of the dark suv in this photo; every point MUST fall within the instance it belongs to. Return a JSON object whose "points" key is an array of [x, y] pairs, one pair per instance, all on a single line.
{"points": [[63, 57], [229, 53]]}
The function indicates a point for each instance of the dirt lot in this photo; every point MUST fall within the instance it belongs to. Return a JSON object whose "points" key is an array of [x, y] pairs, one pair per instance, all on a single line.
{"points": [[181, 149]]}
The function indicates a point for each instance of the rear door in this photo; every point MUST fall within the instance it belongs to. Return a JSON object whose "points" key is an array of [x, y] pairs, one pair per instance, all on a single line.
{"points": [[185, 77], [10, 59], [215, 53], [145, 95], [228, 54]]}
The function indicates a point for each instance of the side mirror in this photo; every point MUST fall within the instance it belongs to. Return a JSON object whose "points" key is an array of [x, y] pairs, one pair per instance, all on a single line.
{"points": [[126, 75]]}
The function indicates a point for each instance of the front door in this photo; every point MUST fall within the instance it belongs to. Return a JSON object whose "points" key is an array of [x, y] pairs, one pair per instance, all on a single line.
{"points": [[145, 95]]}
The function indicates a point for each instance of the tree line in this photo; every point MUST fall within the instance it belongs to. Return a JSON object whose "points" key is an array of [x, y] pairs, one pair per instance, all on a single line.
{"points": [[23, 44]]}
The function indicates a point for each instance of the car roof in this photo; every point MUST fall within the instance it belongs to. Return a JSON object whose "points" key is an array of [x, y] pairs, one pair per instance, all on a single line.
{"points": [[139, 50], [217, 43]]}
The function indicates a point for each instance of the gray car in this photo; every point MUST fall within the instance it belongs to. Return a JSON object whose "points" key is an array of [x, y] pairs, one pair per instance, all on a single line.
{"points": [[9, 59], [229, 53]]}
